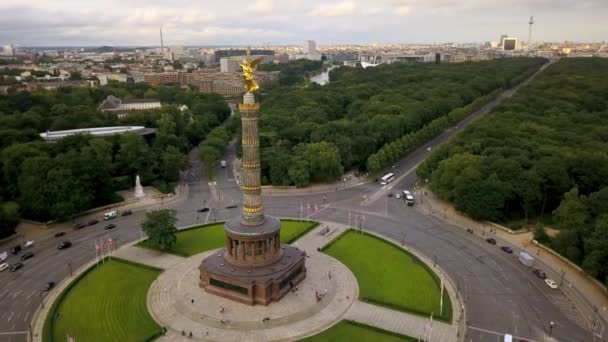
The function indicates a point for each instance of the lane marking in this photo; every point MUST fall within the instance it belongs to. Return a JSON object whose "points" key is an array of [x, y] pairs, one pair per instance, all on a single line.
{"points": [[498, 333], [11, 316], [207, 218], [26, 316]]}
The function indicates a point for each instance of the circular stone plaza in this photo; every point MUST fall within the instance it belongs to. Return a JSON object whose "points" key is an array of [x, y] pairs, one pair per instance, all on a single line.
{"points": [[256, 278]]}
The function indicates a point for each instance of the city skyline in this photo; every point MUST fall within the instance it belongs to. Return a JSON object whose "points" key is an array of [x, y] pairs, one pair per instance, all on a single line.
{"points": [[185, 22]]}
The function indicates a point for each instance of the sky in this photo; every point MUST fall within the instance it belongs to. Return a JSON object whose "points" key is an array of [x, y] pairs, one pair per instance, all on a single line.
{"points": [[275, 22]]}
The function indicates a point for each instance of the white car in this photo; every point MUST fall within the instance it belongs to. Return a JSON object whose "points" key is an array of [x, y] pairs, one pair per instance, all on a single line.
{"points": [[551, 283], [3, 267], [3, 256], [28, 244]]}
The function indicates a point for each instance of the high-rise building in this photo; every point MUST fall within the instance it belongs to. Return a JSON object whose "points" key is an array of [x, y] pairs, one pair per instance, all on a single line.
{"points": [[310, 47], [8, 50], [510, 44]]}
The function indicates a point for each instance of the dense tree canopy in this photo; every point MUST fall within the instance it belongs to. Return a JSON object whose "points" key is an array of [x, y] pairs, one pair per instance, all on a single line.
{"points": [[362, 110], [79, 172], [543, 151]]}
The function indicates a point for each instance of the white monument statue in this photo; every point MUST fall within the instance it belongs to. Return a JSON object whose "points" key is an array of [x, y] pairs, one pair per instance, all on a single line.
{"points": [[139, 190]]}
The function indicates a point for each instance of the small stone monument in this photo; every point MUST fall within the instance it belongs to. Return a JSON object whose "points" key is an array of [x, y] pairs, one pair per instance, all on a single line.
{"points": [[139, 190]]}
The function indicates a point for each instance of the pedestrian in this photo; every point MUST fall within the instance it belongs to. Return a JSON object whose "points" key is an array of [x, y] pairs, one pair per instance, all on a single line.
{"points": [[190, 335], [329, 274], [192, 301], [165, 289]]}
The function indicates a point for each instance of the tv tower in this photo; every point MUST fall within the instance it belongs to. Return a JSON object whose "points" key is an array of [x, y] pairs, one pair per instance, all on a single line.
{"points": [[162, 48], [531, 22]]}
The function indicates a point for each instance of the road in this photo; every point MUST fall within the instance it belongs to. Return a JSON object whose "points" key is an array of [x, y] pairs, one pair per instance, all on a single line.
{"points": [[501, 296]]}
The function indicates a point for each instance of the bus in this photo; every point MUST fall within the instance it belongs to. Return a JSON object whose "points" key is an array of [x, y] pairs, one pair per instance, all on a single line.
{"points": [[387, 178]]}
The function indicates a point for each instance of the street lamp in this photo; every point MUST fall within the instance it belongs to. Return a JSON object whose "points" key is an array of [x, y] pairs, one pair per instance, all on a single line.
{"points": [[551, 328]]}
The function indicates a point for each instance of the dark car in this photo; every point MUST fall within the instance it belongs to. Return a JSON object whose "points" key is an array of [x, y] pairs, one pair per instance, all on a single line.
{"points": [[16, 249], [27, 255], [203, 210], [48, 286], [491, 241], [92, 222], [232, 206], [110, 226], [15, 267], [390, 194], [507, 249], [59, 234], [539, 273], [126, 213], [64, 245], [81, 225]]}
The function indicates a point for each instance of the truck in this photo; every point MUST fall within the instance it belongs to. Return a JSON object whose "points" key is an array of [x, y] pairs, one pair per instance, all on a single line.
{"points": [[110, 215], [526, 259], [223, 163]]}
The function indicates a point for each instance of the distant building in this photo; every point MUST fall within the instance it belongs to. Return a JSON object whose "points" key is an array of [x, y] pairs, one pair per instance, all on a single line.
{"points": [[114, 105], [8, 50], [156, 79], [310, 47], [219, 54], [52, 136], [510, 44]]}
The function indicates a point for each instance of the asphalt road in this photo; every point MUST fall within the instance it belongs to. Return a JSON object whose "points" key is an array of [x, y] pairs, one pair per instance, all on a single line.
{"points": [[501, 295]]}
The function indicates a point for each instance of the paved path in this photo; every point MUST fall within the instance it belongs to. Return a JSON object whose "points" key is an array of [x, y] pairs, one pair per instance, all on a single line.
{"points": [[400, 322], [150, 257], [581, 292]]}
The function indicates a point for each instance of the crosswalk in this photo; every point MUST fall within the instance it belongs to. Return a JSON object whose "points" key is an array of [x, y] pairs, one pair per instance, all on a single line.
{"points": [[566, 306], [170, 205]]}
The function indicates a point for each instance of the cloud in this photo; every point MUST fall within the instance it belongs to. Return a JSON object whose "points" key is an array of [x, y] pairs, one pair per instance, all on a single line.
{"points": [[403, 10], [263, 6], [341, 9]]}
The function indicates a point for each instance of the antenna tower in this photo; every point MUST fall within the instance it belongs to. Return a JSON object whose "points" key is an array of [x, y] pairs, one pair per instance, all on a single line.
{"points": [[531, 22]]}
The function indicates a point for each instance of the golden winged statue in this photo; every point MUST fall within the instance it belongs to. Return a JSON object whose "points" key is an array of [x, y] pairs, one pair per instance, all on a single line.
{"points": [[249, 67]]}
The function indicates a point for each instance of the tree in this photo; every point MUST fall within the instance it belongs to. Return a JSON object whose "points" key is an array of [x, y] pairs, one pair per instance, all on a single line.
{"points": [[9, 217], [171, 163], [160, 228], [298, 172], [323, 160]]}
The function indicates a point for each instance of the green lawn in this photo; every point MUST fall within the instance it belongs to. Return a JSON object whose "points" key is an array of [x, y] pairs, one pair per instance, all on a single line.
{"points": [[390, 276], [107, 304], [200, 239], [355, 332]]}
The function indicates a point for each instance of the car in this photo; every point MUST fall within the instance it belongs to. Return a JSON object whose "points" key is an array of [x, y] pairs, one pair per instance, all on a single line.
{"points": [[232, 206], [26, 256], [3, 256], [28, 244], [126, 213], [491, 241], [92, 222], [3, 267], [552, 284], [15, 249], [81, 225], [110, 226], [49, 285], [15, 267], [64, 245], [539, 273], [507, 249], [59, 234], [390, 194], [203, 210]]}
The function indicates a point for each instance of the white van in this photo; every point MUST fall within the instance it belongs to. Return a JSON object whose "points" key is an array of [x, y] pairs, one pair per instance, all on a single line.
{"points": [[508, 338], [409, 199], [110, 215]]}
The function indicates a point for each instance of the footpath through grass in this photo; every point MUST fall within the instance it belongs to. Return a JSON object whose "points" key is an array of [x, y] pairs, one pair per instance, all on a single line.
{"points": [[390, 276], [356, 332], [107, 304], [196, 240]]}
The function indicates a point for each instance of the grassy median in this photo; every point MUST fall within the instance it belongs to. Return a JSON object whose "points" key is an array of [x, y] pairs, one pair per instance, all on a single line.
{"points": [[390, 276], [196, 240], [108, 303]]}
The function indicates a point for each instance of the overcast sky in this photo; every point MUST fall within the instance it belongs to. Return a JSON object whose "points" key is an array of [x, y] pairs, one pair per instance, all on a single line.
{"points": [[237, 22]]}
